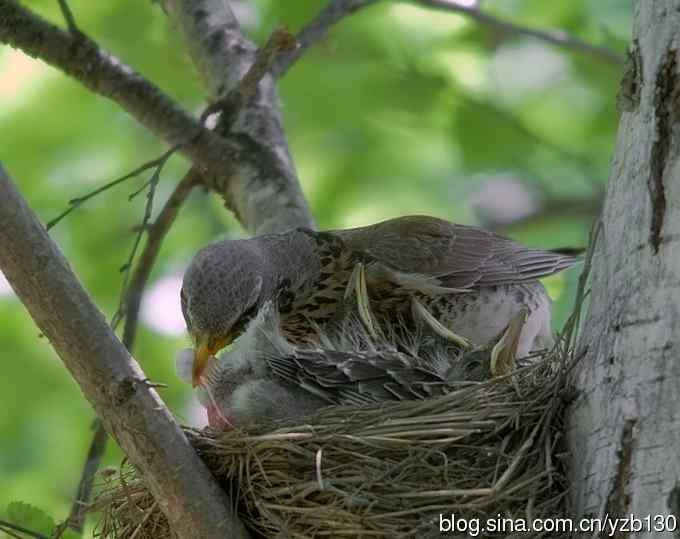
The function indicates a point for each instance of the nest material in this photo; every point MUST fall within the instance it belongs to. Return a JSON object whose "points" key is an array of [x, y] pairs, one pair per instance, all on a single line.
{"points": [[484, 450]]}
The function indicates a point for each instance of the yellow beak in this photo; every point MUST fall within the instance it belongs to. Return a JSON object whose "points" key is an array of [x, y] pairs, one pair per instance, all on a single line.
{"points": [[204, 350]]}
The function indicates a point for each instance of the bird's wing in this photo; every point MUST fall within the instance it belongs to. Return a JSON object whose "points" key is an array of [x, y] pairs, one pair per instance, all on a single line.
{"points": [[455, 256], [355, 378]]}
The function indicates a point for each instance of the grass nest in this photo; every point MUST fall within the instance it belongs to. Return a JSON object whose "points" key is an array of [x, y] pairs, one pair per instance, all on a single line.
{"points": [[491, 449]]}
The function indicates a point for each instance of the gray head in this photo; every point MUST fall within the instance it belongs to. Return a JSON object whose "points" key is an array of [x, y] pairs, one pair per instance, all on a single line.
{"points": [[221, 292]]}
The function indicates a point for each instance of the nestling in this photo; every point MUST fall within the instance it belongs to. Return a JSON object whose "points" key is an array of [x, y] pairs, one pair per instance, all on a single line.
{"points": [[266, 378]]}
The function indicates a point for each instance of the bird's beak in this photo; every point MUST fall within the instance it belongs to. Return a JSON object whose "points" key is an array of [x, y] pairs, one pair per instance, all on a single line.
{"points": [[204, 350]]}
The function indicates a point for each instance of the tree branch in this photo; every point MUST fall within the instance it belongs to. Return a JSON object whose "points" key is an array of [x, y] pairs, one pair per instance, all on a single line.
{"points": [[131, 301], [246, 89], [109, 377], [76, 517], [102, 73], [222, 162], [554, 37], [336, 10], [317, 30], [68, 17], [156, 234], [265, 190]]}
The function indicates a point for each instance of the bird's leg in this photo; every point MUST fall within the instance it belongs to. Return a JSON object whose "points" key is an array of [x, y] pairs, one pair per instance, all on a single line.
{"points": [[421, 313], [504, 351]]}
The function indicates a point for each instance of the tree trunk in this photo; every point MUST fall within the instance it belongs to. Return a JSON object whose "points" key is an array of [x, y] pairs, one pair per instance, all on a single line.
{"points": [[624, 424]]}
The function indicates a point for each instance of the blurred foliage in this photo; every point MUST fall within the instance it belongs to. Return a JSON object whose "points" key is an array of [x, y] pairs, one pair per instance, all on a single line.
{"points": [[401, 110]]}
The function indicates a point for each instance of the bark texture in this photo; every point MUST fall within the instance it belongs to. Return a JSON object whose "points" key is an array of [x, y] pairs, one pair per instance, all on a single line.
{"points": [[624, 426], [110, 378], [264, 191]]}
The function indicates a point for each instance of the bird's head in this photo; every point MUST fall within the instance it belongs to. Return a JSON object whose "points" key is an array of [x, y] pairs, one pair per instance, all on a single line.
{"points": [[221, 293]]}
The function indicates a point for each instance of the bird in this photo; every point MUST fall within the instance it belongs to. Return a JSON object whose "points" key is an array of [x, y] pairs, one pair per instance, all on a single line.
{"points": [[266, 378], [463, 282]]}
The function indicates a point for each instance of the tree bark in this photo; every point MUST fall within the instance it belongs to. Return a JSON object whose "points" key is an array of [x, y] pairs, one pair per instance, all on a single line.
{"points": [[110, 378], [264, 192], [624, 425]]}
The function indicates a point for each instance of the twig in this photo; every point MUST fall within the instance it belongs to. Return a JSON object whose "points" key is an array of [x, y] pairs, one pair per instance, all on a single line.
{"points": [[95, 454], [75, 203], [336, 10], [148, 209], [104, 74], [317, 30], [157, 232], [554, 37], [577, 207], [68, 17], [9, 532], [280, 41], [20, 529], [109, 377]]}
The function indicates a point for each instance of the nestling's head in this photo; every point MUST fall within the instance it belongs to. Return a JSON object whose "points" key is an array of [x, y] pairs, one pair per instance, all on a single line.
{"points": [[221, 293]]}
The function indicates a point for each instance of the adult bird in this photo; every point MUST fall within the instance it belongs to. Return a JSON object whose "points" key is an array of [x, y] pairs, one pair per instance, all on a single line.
{"points": [[463, 282], [265, 377]]}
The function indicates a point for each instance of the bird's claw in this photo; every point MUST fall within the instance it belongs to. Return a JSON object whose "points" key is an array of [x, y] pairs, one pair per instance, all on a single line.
{"points": [[420, 312]]}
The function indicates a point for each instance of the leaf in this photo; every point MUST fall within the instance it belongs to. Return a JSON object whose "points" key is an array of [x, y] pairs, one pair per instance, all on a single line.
{"points": [[490, 137], [70, 534], [30, 517]]}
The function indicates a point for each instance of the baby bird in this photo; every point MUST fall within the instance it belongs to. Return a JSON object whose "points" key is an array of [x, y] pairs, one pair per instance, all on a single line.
{"points": [[265, 377]]}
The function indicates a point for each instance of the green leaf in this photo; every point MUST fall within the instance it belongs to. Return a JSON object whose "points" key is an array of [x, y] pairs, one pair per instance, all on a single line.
{"points": [[29, 517], [491, 138]]}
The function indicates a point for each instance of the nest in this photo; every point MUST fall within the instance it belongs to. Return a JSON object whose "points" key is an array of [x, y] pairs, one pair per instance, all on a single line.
{"points": [[490, 449]]}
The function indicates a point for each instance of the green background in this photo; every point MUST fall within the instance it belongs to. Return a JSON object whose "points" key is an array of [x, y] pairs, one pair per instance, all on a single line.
{"points": [[401, 110]]}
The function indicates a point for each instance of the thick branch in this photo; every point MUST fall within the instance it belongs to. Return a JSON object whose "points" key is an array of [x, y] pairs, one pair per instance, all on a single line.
{"points": [[109, 377], [266, 192], [102, 73]]}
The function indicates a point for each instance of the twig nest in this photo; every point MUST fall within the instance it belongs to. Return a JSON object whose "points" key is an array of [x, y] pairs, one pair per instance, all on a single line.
{"points": [[483, 450]]}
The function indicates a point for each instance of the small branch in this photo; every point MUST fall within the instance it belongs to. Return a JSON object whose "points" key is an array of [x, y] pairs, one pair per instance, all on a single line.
{"points": [[104, 74], [109, 377], [8, 528], [148, 208], [75, 203], [68, 17], [554, 37], [586, 207], [76, 518], [336, 10], [317, 30], [280, 41], [156, 234]]}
